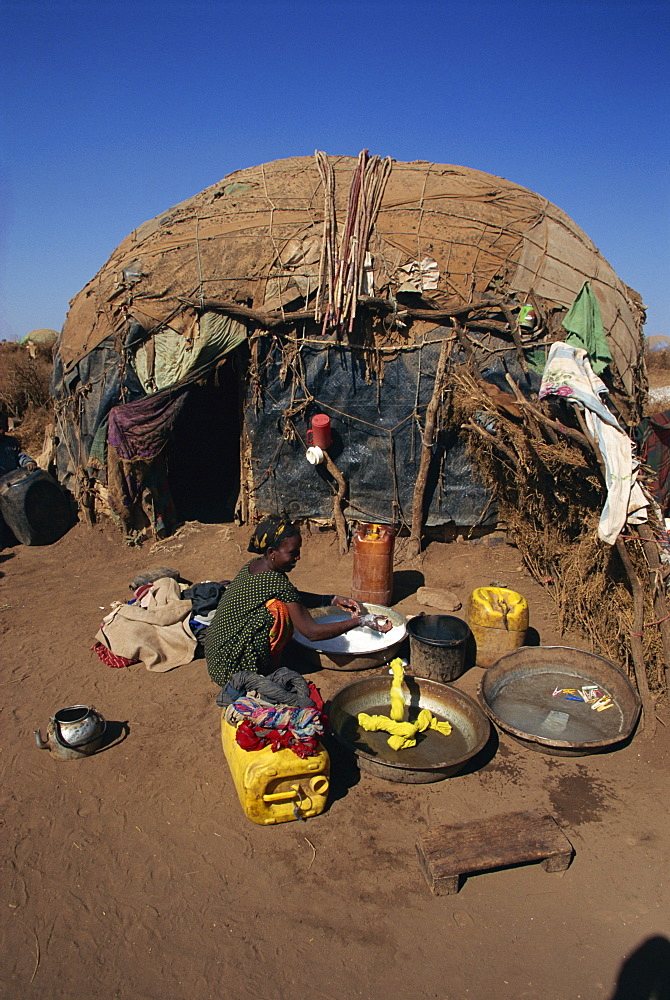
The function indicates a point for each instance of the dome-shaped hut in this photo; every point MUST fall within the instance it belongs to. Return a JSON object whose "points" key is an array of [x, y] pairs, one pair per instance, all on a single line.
{"points": [[197, 356]]}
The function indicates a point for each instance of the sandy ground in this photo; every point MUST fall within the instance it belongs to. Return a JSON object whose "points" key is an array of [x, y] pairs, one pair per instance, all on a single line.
{"points": [[134, 873]]}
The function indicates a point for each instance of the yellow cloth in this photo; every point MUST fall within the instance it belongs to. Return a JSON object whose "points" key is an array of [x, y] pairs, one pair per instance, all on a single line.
{"points": [[397, 697], [402, 734]]}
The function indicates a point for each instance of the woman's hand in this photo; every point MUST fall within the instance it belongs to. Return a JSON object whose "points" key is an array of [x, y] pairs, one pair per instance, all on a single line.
{"points": [[348, 604], [378, 623]]}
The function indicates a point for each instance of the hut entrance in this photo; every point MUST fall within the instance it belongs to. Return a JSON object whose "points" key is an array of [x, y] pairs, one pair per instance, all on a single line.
{"points": [[204, 454]]}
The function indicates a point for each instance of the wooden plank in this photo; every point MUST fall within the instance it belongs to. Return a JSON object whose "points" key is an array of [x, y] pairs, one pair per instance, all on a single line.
{"points": [[450, 852]]}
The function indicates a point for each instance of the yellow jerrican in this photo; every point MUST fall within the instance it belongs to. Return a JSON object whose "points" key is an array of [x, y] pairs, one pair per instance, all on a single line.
{"points": [[402, 734]]}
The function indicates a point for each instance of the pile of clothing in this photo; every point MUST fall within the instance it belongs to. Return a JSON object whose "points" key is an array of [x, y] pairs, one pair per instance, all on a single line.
{"points": [[204, 598], [161, 626], [282, 710]]}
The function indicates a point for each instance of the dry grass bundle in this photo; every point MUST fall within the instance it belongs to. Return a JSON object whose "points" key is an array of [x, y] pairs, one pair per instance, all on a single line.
{"points": [[24, 381], [24, 391], [550, 494]]}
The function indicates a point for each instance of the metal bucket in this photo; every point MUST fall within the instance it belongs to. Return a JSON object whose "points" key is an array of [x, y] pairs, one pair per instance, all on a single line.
{"points": [[437, 646]]}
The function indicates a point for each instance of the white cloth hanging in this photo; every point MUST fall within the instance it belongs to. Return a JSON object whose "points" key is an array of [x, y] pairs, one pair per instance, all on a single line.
{"points": [[568, 373]]}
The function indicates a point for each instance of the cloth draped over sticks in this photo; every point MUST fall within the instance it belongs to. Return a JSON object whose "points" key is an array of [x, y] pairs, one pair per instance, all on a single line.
{"points": [[137, 434], [584, 325], [569, 374], [158, 635], [653, 435], [140, 430]]}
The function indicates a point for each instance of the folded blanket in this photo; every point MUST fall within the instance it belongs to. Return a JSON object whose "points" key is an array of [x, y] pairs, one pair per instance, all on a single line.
{"points": [[158, 635]]}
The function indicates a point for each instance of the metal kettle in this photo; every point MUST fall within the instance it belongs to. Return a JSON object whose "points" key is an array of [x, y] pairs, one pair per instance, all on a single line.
{"points": [[77, 731]]}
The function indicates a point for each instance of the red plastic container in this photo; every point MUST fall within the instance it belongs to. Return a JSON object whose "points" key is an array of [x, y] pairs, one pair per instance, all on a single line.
{"points": [[319, 432], [373, 564]]}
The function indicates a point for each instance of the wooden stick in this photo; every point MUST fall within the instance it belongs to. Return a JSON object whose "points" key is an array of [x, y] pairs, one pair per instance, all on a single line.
{"points": [[556, 425], [465, 343], [530, 410], [516, 337], [569, 432], [492, 439], [650, 547], [636, 646], [269, 320], [338, 502], [414, 544]]}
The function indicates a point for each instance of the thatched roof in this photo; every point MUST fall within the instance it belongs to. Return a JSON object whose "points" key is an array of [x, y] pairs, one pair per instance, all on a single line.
{"points": [[254, 239]]}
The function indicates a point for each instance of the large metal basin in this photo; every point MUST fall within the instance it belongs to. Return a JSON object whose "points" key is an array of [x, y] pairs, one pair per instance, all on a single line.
{"points": [[517, 695], [360, 649], [433, 758]]}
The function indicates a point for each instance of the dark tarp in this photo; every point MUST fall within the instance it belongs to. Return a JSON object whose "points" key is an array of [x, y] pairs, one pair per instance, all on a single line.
{"points": [[376, 440], [83, 398]]}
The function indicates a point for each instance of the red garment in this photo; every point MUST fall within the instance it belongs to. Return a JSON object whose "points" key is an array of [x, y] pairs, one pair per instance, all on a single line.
{"points": [[252, 738], [315, 695], [110, 658], [256, 738]]}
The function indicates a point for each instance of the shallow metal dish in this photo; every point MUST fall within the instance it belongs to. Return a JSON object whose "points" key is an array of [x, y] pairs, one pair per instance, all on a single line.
{"points": [[516, 694], [342, 653], [435, 756]]}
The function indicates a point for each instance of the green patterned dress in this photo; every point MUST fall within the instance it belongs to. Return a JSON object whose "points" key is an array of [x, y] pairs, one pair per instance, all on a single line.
{"points": [[239, 636]]}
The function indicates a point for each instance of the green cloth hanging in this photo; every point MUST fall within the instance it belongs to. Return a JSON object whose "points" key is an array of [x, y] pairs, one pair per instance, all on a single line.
{"points": [[584, 325]]}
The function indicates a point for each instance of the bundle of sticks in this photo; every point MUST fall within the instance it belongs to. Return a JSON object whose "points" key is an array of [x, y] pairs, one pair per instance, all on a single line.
{"points": [[343, 261]]}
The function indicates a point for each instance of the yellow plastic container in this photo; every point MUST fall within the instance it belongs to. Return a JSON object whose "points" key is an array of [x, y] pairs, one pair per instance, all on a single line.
{"points": [[498, 620], [276, 787]]}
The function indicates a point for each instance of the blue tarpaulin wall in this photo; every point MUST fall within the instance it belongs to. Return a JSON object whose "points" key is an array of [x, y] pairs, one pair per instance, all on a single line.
{"points": [[376, 428]]}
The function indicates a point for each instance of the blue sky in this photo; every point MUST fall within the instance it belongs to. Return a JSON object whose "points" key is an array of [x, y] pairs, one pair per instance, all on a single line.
{"points": [[113, 112]]}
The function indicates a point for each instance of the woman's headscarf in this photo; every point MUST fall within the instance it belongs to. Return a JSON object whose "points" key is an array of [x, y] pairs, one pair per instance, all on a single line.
{"points": [[271, 532]]}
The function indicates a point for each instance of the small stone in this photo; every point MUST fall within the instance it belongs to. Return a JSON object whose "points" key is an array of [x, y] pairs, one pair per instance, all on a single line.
{"points": [[443, 600]]}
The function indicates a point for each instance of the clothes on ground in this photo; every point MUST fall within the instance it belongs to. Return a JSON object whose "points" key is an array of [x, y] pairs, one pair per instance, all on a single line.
{"points": [[282, 687], [247, 633], [150, 575], [158, 635], [569, 374], [110, 658], [11, 456], [653, 436], [205, 620], [205, 597]]}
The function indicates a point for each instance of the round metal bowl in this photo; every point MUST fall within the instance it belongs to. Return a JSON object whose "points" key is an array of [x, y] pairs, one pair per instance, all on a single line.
{"points": [[360, 649], [517, 695], [435, 756]]}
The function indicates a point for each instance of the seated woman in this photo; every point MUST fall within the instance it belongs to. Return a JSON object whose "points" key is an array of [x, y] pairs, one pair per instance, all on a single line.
{"points": [[260, 608]]}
